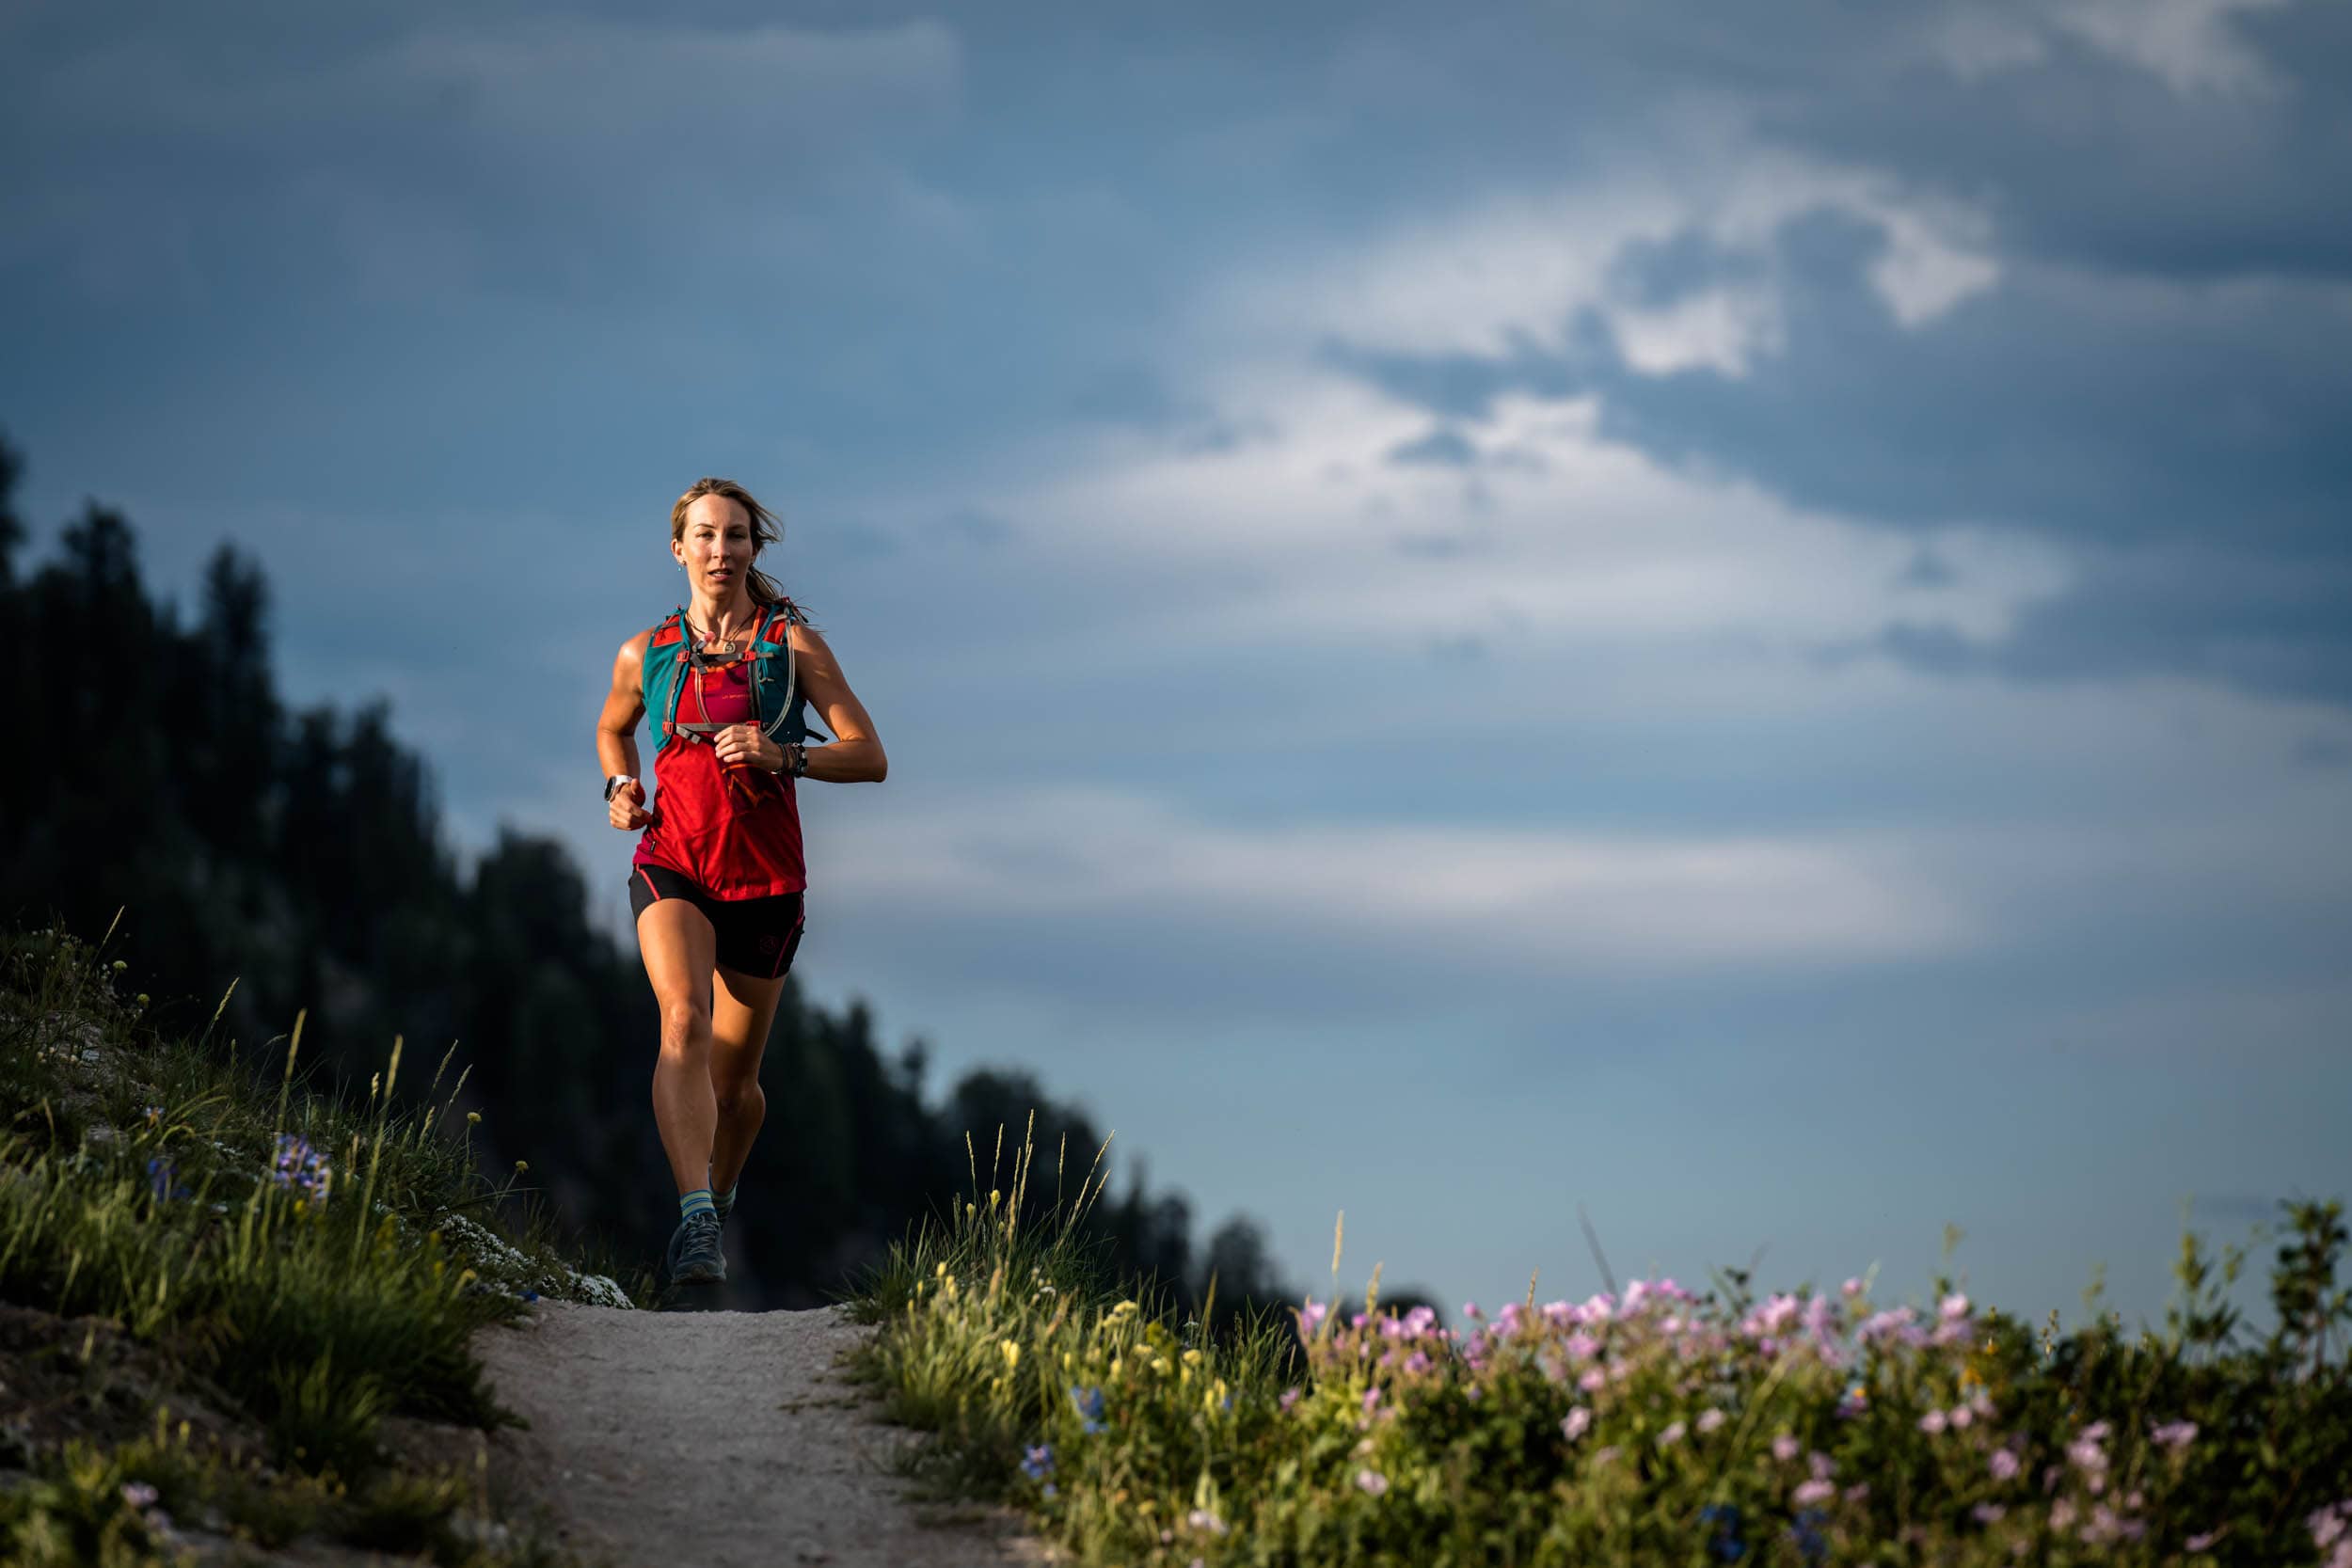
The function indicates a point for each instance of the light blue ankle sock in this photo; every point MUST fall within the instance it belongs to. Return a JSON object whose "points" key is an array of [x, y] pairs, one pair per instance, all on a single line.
{"points": [[723, 1202], [696, 1202]]}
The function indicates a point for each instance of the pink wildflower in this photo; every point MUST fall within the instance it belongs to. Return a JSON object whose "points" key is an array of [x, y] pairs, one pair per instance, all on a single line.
{"points": [[1987, 1514], [2199, 1543], [2004, 1465], [1576, 1424], [1932, 1424], [1784, 1448], [1672, 1436], [1470, 1310], [1851, 1287], [2173, 1434], [1813, 1492], [1953, 1306], [1710, 1419], [1961, 1416], [1372, 1397], [1290, 1397], [1593, 1380], [1372, 1481], [2326, 1525]]}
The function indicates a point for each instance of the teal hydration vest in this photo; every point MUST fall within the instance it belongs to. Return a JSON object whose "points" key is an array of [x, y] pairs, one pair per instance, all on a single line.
{"points": [[782, 706]]}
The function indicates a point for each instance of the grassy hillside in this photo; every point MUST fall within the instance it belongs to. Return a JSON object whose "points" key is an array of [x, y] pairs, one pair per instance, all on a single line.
{"points": [[235, 1310], [1650, 1425]]}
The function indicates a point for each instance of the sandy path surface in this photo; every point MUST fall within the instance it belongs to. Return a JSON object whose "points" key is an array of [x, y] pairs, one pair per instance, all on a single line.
{"points": [[717, 1439]]}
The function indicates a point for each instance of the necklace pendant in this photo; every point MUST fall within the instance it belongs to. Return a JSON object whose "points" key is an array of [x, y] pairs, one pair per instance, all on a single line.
{"points": [[719, 648]]}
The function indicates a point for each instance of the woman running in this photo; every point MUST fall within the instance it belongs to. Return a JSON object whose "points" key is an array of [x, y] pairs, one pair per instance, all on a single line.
{"points": [[718, 880]]}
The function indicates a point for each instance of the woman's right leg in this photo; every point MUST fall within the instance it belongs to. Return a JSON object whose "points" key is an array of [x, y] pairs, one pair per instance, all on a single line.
{"points": [[680, 949]]}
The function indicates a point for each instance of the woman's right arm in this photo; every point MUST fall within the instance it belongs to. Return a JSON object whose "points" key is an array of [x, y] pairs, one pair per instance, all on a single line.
{"points": [[616, 732]]}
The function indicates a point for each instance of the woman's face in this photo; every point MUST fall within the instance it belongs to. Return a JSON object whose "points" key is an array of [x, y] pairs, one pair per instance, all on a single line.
{"points": [[715, 547]]}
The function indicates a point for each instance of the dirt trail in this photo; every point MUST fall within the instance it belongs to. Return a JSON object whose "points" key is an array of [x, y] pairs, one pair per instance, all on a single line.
{"points": [[717, 1439]]}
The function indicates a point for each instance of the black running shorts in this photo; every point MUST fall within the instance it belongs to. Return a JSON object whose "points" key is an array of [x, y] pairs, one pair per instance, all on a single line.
{"points": [[757, 936]]}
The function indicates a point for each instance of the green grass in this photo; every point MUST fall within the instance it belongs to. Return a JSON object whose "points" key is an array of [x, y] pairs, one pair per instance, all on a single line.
{"points": [[1656, 1425], [306, 1262]]}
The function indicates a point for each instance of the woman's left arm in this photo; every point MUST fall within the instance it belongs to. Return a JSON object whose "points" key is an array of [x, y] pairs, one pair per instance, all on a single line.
{"points": [[855, 755]]}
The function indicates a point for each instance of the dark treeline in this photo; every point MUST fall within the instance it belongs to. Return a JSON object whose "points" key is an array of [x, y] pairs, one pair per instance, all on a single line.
{"points": [[300, 853]]}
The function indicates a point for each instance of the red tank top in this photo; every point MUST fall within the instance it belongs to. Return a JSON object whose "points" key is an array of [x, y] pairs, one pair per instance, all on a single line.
{"points": [[734, 831]]}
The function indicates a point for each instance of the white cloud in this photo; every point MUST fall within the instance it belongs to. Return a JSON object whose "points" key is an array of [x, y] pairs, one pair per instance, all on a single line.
{"points": [[1555, 542], [1978, 41], [1548, 902], [1513, 269], [2189, 43]]}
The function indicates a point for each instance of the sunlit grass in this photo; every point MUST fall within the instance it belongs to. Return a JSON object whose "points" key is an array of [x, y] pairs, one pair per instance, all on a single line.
{"points": [[292, 1251]]}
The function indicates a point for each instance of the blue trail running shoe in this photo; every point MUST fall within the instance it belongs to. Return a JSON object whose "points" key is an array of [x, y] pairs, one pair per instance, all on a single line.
{"points": [[694, 1257]]}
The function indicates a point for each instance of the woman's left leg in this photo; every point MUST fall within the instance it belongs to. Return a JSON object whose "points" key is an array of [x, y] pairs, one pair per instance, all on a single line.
{"points": [[743, 1009]]}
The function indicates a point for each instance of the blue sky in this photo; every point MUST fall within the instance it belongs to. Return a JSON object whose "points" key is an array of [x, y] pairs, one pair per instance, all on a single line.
{"points": [[1741, 622]]}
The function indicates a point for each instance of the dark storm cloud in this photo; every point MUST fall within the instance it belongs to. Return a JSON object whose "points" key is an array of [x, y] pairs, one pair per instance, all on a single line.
{"points": [[2087, 158]]}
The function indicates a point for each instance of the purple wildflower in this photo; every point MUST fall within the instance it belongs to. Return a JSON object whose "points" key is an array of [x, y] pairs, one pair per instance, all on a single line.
{"points": [[162, 1181], [1089, 1401], [1038, 1462], [1932, 1424], [1576, 1424], [2173, 1434], [2004, 1465], [1372, 1481]]}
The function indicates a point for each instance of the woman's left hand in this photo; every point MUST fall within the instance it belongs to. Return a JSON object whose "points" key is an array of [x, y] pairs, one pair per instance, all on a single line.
{"points": [[744, 743]]}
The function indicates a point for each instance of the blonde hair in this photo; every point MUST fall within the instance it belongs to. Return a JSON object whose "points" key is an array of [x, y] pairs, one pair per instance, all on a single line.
{"points": [[766, 530]]}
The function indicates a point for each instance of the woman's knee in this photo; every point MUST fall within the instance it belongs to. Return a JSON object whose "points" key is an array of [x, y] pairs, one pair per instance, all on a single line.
{"points": [[685, 1025]]}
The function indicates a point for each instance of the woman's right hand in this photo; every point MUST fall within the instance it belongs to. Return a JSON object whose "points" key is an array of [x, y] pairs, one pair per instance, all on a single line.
{"points": [[627, 808]]}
